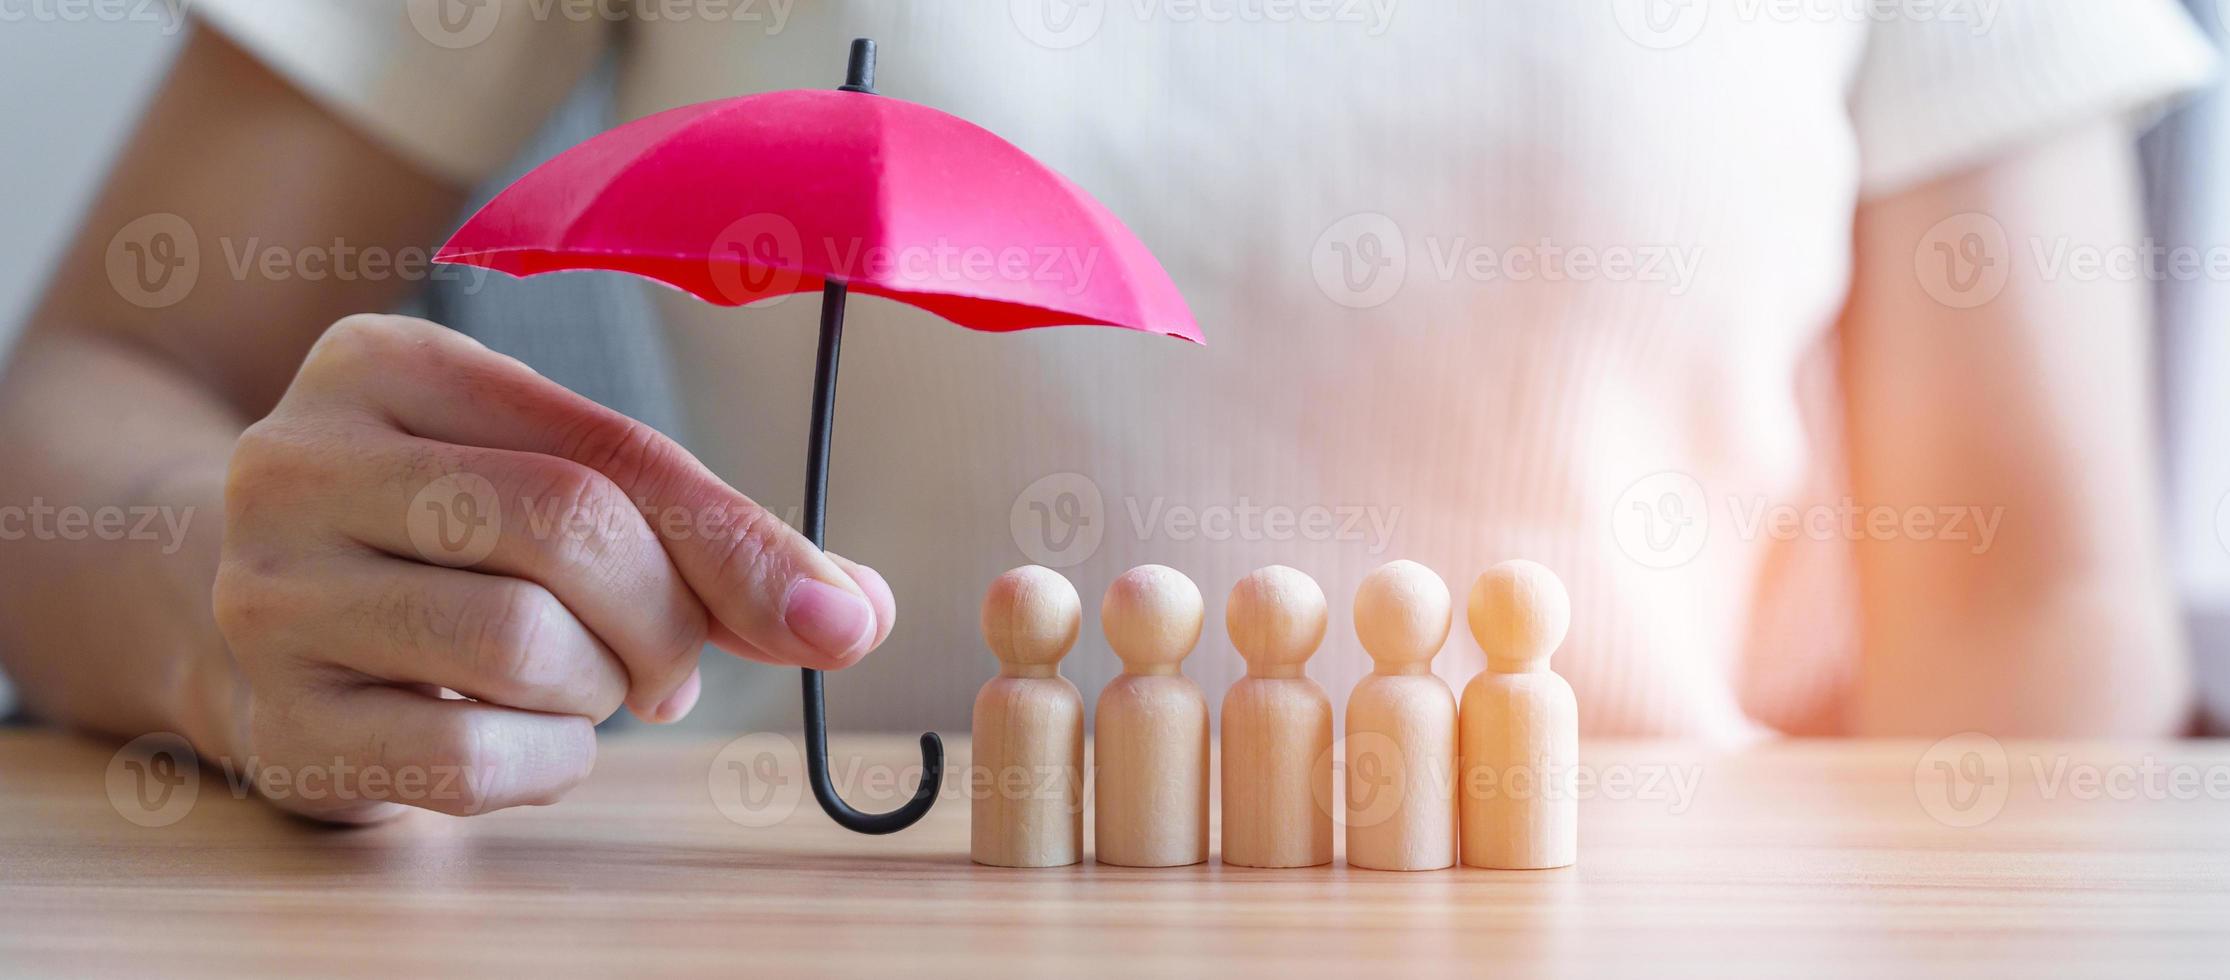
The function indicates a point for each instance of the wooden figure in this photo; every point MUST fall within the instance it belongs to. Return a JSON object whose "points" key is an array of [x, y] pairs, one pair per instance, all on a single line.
{"points": [[1277, 727], [1150, 734], [1026, 788], [1520, 726], [1401, 727]]}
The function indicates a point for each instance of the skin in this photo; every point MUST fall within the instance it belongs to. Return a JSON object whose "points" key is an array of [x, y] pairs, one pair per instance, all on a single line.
{"points": [[300, 624], [297, 623]]}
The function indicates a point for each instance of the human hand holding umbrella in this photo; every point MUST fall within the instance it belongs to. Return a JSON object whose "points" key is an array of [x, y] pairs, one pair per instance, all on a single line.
{"points": [[746, 199]]}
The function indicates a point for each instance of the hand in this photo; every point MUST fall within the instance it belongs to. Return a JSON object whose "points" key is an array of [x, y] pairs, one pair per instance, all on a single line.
{"points": [[421, 514]]}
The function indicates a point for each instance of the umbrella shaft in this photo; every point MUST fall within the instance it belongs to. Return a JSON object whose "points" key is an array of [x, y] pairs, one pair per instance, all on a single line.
{"points": [[824, 413]]}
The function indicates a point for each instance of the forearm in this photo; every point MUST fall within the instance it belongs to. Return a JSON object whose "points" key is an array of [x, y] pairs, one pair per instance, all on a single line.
{"points": [[2068, 657], [114, 513], [2026, 405]]}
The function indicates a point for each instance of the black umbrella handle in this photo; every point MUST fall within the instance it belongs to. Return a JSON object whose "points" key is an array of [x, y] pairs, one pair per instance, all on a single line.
{"points": [[859, 78]]}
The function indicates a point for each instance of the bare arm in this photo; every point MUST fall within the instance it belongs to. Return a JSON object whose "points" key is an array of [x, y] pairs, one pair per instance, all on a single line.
{"points": [[109, 404], [303, 619], [2027, 403]]}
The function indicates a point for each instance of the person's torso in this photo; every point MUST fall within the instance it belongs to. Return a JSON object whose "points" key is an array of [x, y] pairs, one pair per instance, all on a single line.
{"points": [[1479, 281]]}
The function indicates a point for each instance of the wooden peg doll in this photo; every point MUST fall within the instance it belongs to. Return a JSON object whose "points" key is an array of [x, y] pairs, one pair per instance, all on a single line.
{"points": [[1520, 726], [1150, 733], [1026, 787], [1401, 727], [1277, 727]]}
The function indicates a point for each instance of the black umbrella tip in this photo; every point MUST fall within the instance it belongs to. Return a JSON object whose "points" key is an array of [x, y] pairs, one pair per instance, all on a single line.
{"points": [[859, 75]]}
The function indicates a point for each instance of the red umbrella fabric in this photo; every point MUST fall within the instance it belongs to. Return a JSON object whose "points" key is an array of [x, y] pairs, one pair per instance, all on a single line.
{"points": [[744, 199], [751, 198]]}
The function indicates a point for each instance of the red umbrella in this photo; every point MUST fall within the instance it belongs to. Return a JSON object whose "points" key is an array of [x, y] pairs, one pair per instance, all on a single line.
{"points": [[745, 199]]}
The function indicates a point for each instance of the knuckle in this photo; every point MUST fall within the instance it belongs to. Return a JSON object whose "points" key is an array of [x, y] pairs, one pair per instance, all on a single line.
{"points": [[629, 452], [262, 460], [594, 519], [755, 548], [240, 602], [455, 761], [351, 340], [502, 628]]}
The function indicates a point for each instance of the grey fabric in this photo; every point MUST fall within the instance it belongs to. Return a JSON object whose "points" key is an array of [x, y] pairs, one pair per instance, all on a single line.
{"points": [[595, 333], [2190, 209]]}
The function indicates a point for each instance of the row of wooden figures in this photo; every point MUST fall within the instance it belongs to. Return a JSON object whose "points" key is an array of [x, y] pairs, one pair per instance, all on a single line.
{"points": [[1426, 784]]}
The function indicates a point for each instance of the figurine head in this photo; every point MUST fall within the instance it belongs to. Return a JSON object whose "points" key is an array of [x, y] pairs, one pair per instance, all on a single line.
{"points": [[1401, 616], [1276, 618], [1519, 614], [1151, 615], [1030, 617]]}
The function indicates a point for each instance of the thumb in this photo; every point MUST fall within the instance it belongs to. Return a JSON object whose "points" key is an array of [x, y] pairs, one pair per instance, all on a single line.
{"points": [[771, 593]]}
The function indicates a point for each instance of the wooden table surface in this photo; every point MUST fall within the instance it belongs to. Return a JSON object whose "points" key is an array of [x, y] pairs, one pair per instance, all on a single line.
{"points": [[1780, 859]]}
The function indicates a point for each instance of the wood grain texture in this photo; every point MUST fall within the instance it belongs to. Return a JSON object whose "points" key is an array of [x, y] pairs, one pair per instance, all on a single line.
{"points": [[1400, 751], [1026, 790], [1150, 734], [1786, 859]]}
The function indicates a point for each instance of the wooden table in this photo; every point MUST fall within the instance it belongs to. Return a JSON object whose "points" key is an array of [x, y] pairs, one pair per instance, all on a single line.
{"points": [[1801, 858]]}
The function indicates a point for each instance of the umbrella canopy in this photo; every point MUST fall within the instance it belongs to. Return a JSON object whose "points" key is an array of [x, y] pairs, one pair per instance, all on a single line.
{"points": [[743, 199], [751, 198]]}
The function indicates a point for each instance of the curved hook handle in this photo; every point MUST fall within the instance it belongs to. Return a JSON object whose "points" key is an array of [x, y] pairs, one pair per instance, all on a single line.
{"points": [[859, 77], [817, 769]]}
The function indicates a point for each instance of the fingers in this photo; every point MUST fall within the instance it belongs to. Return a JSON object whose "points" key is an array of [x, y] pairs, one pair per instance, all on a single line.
{"points": [[769, 588], [549, 521], [505, 641], [879, 596], [351, 753]]}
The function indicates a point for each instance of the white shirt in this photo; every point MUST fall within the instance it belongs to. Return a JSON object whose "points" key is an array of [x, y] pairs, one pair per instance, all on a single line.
{"points": [[1553, 279]]}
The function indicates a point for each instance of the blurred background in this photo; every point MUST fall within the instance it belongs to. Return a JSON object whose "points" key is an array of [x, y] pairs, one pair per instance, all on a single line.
{"points": [[70, 89]]}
